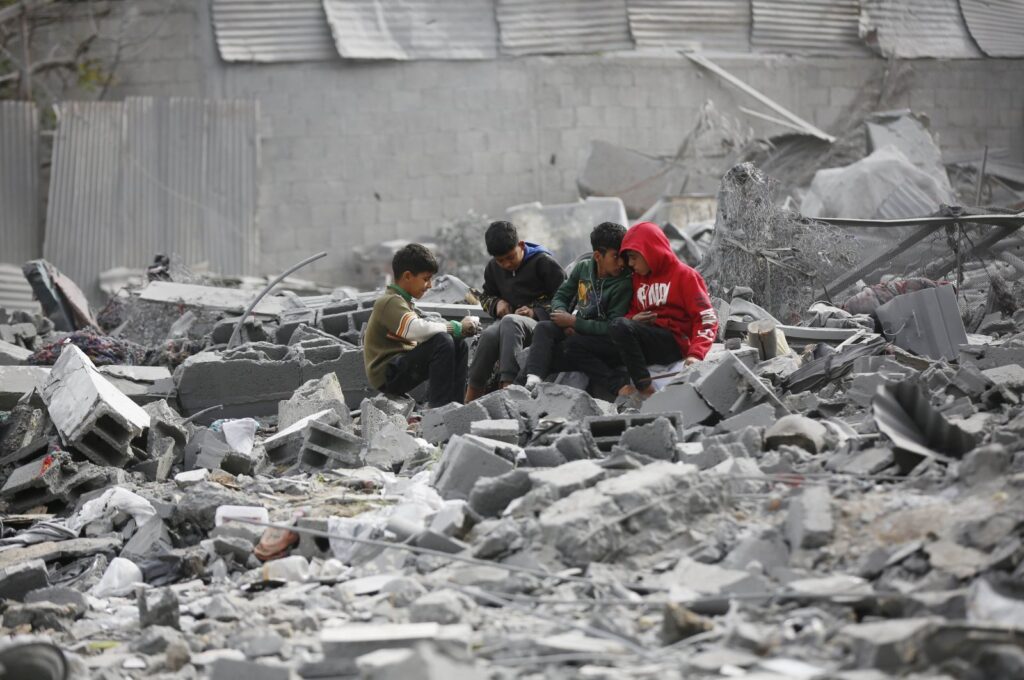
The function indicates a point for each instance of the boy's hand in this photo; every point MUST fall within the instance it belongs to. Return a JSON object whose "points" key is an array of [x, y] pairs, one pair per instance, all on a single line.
{"points": [[646, 318], [690, 361], [470, 326], [563, 319], [503, 308], [525, 311]]}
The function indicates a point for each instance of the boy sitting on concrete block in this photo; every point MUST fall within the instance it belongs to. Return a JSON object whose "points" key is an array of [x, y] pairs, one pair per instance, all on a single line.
{"points": [[519, 282], [670, 318], [401, 348], [598, 290]]}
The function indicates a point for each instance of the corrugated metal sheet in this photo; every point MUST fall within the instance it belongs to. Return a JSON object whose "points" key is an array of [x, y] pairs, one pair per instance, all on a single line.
{"points": [[20, 229], [916, 28], [272, 30], [691, 24], [997, 25], [144, 176], [564, 27], [413, 29], [15, 291], [826, 27]]}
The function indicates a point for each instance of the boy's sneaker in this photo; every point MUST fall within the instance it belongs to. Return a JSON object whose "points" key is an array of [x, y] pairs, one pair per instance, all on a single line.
{"points": [[532, 381]]}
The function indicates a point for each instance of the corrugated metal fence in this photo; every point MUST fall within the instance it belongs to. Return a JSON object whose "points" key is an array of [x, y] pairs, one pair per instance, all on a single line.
{"points": [[297, 30], [144, 176], [916, 28], [19, 182], [413, 29], [272, 30], [691, 24]]}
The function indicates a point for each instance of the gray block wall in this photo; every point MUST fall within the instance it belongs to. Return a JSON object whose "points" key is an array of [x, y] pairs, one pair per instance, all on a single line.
{"points": [[356, 153]]}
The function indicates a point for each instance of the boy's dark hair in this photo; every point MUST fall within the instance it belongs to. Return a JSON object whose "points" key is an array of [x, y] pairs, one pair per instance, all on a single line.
{"points": [[607, 236], [500, 238], [413, 258]]}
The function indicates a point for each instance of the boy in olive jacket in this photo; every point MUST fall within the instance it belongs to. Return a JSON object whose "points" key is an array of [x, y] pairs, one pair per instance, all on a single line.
{"points": [[402, 348], [598, 289]]}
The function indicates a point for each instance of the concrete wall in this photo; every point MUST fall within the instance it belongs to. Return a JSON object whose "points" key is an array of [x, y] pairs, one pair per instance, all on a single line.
{"points": [[356, 153]]}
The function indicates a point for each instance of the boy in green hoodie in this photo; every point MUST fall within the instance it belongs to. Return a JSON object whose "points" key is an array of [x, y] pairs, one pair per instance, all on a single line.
{"points": [[598, 290]]}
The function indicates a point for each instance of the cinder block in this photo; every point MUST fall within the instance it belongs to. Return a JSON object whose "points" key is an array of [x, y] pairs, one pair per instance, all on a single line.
{"points": [[656, 439], [606, 431], [467, 459], [330, 447], [809, 522], [90, 413]]}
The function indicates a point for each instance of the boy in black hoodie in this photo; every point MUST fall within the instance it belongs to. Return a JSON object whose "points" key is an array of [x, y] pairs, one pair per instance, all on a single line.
{"points": [[519, 282]]}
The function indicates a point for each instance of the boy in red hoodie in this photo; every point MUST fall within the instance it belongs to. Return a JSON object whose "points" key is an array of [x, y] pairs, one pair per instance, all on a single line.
{"points": [[670, 318]]}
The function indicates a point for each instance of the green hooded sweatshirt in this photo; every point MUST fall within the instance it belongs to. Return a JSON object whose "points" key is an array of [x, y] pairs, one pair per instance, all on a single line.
{"points": [[596, 300]]}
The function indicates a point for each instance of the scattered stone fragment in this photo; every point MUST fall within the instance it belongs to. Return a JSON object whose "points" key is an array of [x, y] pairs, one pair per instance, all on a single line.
{"points": [[796, 430], [809, 522]]}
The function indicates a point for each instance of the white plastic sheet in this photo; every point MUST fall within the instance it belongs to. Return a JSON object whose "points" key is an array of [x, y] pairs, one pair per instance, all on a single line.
{"points": [[117, 499], [120, 578]]}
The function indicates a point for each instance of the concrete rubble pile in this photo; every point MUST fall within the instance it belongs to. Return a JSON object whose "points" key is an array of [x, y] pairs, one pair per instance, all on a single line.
{"points": [[811, 501]]}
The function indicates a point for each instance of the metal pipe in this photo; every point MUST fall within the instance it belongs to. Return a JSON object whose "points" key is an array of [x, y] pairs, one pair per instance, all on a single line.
{"points": [[237, 333]]}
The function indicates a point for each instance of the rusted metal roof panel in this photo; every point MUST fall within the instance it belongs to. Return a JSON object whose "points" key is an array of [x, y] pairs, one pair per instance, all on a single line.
{"points": [[911, 29], [565, 27], [413, 29], [144, 176], [20, 229], [996, 25], [272, 30], [691, 24], [825, 27]]}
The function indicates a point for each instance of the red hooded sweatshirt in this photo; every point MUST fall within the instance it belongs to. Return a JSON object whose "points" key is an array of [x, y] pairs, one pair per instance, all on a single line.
{"points": [[675, 292]]}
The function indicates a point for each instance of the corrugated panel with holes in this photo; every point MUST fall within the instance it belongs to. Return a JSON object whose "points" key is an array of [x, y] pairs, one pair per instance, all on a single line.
{"points": [[144, 176], [997, 26], [722, 25], [563, 27], [20, 230], [413, 29], [826, 27], [272, 30], [911, 29]]}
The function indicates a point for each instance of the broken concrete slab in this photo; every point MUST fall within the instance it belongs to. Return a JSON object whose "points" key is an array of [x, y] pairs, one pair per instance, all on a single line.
{"points": [[342, 645], [13, 355], [390, 447], [468, 458], [312, 397], [22, 576], [89, 412], [460, 420], [491, 495], [890, 644], [660, 498], [656, 439], [683, 399], [504, 430]]}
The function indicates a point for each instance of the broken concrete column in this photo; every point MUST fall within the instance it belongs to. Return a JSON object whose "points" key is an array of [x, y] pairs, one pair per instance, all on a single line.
{"points": [[91, 414], [468, 458], [809, 522]]}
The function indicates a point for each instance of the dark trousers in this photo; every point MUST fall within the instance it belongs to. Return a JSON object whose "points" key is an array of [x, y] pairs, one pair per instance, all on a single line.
{"points": [[629, 343], [442, 360], [547, 352]]}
